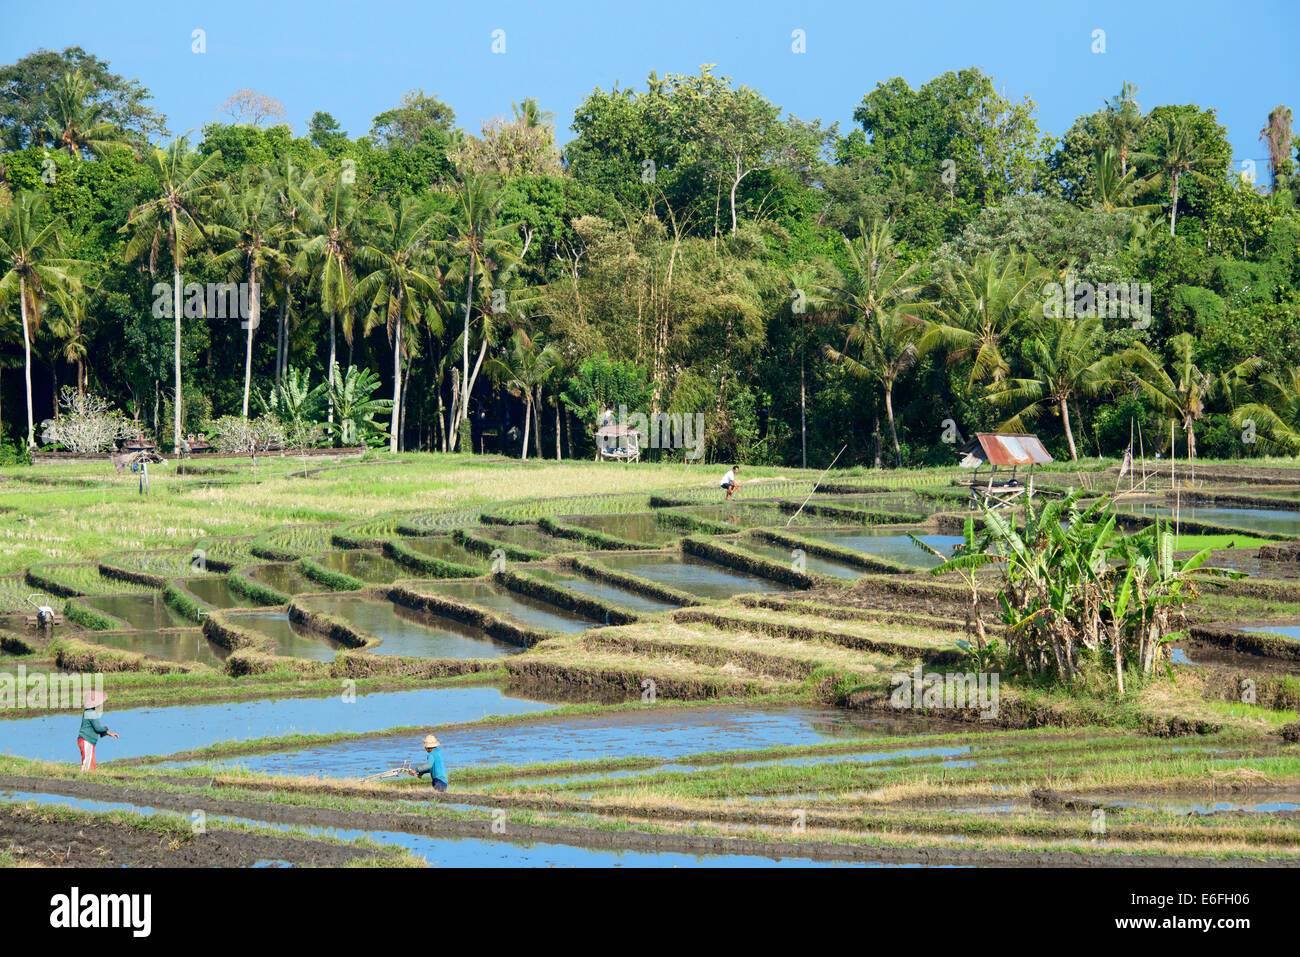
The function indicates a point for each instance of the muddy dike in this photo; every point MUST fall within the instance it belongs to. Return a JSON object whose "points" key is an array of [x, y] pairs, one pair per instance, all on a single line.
{"points": [[464, 612], [796, 632], [845, 556], [596, 837], [480, 542], [254, 590], [775, 666], [622, 684], [335, 628], [585, 605], [37, 837], [76, 655], [635, 583], [1230, 638], [251, 652], [591, 537], [1225, 683], [855, 613], [731, 557], [852, 513], [1015, 713], [427, 565], [132, 575]]}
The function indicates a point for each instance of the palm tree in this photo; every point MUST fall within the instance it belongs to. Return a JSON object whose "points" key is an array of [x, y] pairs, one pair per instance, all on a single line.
{"points": [[1065, 362], [35, 267], [1113, 187], [328, 251], [1178, 153], [1121, 123], [981, 305], [174, 218], [70, 324], [1274, 411], [868, 298], [525, 368], [291, 185], [1182, 390], [77, 124], [248, 225], [479, 244], [403, 277]]}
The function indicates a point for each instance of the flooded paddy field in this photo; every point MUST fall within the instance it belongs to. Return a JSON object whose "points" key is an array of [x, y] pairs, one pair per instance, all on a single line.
{"points": [[687, 737], [690, 574], [1277, 521], [165, 730], [146, 612], [405, 632], [525, 609]]}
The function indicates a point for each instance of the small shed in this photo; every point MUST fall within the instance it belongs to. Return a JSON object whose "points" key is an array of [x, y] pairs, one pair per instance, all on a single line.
{"points": [[1000, 450], [618, 443]]}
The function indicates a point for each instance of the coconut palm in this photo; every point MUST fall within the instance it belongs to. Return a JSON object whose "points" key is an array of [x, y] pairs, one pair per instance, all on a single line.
{"points": [[1065, 363], [71, 325], [34, 268], [1121, 123], [526, 366], [480, 246], [1178, 153], [327, 252], [292, 184], [402, 280], [870, 297], [77, 124], [886, 349], [1181, 390], [1113, 186], [172, 218], [247, 225], [980, 305], [1273, 411]]}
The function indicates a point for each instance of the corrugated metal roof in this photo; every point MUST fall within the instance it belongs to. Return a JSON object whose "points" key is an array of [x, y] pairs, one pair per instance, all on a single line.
{"points": [[1000, 448]]}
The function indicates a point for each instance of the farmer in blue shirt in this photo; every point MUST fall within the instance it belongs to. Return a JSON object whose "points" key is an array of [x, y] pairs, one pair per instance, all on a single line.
{"points": [[436, 770], [92, 729]]}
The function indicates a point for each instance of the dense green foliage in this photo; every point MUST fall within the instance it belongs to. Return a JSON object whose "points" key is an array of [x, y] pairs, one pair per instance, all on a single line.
{"points": [[945, 263]]}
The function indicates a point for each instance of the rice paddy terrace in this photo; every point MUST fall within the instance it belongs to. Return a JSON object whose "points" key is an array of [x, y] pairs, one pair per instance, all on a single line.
{"points": [[647, 675]]}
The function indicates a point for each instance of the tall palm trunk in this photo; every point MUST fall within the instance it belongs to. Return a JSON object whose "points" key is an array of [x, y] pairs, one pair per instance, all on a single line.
{"points": [[329, 374], [1173, 213], [27, 359], [397, 386], [528, 420], [282, 337], [893, 431], [464, 404], [537, 424], [176, 308], [557, 428], [251, 320], [1069, 433]]}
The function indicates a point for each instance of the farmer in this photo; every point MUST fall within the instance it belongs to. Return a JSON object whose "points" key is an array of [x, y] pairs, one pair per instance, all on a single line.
{"points": [[92, 729], [729, 481], [436, 770]]}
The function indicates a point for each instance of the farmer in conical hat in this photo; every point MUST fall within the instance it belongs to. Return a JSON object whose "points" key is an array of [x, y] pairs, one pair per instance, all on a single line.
{"points": [[92, 728], [435, 768]]}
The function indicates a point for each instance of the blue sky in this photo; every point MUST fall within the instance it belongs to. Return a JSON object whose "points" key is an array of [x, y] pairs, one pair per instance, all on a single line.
{"points": [[355, 60]]}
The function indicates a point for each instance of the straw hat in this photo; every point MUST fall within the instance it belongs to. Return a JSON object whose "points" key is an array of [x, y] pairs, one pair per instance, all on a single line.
{"points": [[93, 699], [430, 741]]}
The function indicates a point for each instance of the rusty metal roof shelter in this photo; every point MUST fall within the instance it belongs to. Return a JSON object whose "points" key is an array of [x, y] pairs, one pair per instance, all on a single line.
{"points": [[1000, 450]]}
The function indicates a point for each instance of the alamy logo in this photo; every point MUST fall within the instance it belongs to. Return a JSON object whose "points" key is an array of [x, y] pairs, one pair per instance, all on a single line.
{"points": [[947, 690], [215, 300], [53, 691], [1112, 300], [132, 911], [666, 430]]}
